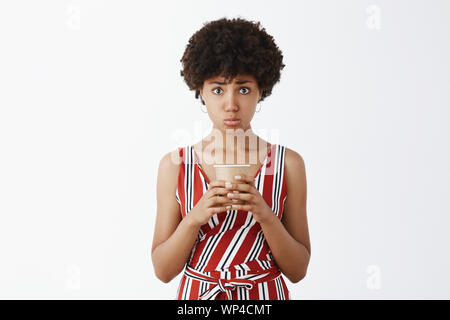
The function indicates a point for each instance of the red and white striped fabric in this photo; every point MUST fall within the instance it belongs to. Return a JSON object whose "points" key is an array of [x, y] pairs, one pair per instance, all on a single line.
{"points": [[231, 256]]}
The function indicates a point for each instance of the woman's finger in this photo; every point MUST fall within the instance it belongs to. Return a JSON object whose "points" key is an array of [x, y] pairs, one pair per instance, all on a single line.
{"points": [[214, 210], [245, 207], [241, 196], [244, 187], [218, 191], [245, 179]]}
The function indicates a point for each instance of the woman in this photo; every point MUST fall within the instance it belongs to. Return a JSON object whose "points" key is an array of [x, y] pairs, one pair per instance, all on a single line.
{"points": [[229, 250]]}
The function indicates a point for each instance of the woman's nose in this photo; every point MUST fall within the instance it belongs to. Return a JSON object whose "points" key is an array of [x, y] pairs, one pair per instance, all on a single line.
{"points": [[231, 102]]}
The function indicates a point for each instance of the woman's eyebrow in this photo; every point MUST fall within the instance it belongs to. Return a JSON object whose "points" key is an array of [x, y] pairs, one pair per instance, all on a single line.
{"points": [[223, 83]]}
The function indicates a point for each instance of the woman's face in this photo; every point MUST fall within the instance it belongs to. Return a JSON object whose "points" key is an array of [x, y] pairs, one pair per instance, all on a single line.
{"points": [[235, 100]]}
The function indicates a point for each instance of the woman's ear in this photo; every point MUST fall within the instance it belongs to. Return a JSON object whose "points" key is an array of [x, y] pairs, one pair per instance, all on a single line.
{"points": [[201, 95]]}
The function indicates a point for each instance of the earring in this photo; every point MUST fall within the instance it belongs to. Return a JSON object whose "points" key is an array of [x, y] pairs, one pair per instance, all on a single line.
{"points": [[259, 108]]}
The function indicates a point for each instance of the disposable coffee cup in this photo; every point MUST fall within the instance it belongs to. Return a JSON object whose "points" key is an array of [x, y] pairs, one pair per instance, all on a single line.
{"points": [[227, 172]]}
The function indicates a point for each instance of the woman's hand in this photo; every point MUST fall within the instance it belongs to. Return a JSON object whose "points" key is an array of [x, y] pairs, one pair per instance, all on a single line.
{"points": [[254, 201], [213, 201]]}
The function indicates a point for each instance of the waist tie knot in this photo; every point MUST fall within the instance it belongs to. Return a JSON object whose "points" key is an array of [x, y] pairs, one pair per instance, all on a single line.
{"points": [[227, 285]]}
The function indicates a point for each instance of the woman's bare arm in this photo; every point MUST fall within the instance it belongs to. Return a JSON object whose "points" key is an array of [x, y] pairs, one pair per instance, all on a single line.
{"points": [[289, 239], [174, 237]]}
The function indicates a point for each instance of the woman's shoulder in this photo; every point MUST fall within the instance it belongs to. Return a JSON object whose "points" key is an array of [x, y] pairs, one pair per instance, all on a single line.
{"points": [[294, 163], [292, 155], [171, 159]]}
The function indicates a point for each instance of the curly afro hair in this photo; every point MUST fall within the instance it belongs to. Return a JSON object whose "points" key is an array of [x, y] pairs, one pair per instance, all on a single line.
{"points": [[227, 48]]}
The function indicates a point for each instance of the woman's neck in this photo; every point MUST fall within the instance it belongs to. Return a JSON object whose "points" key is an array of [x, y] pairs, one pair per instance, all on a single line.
{"points": [[233, 140], [230, 149]]}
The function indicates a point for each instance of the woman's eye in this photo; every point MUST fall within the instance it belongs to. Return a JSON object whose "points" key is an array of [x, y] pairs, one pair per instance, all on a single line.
{"points": [[214, 90], [245, 88]]}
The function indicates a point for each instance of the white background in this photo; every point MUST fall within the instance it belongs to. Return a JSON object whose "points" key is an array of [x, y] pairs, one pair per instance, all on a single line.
{"points": [[91, 98]]}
